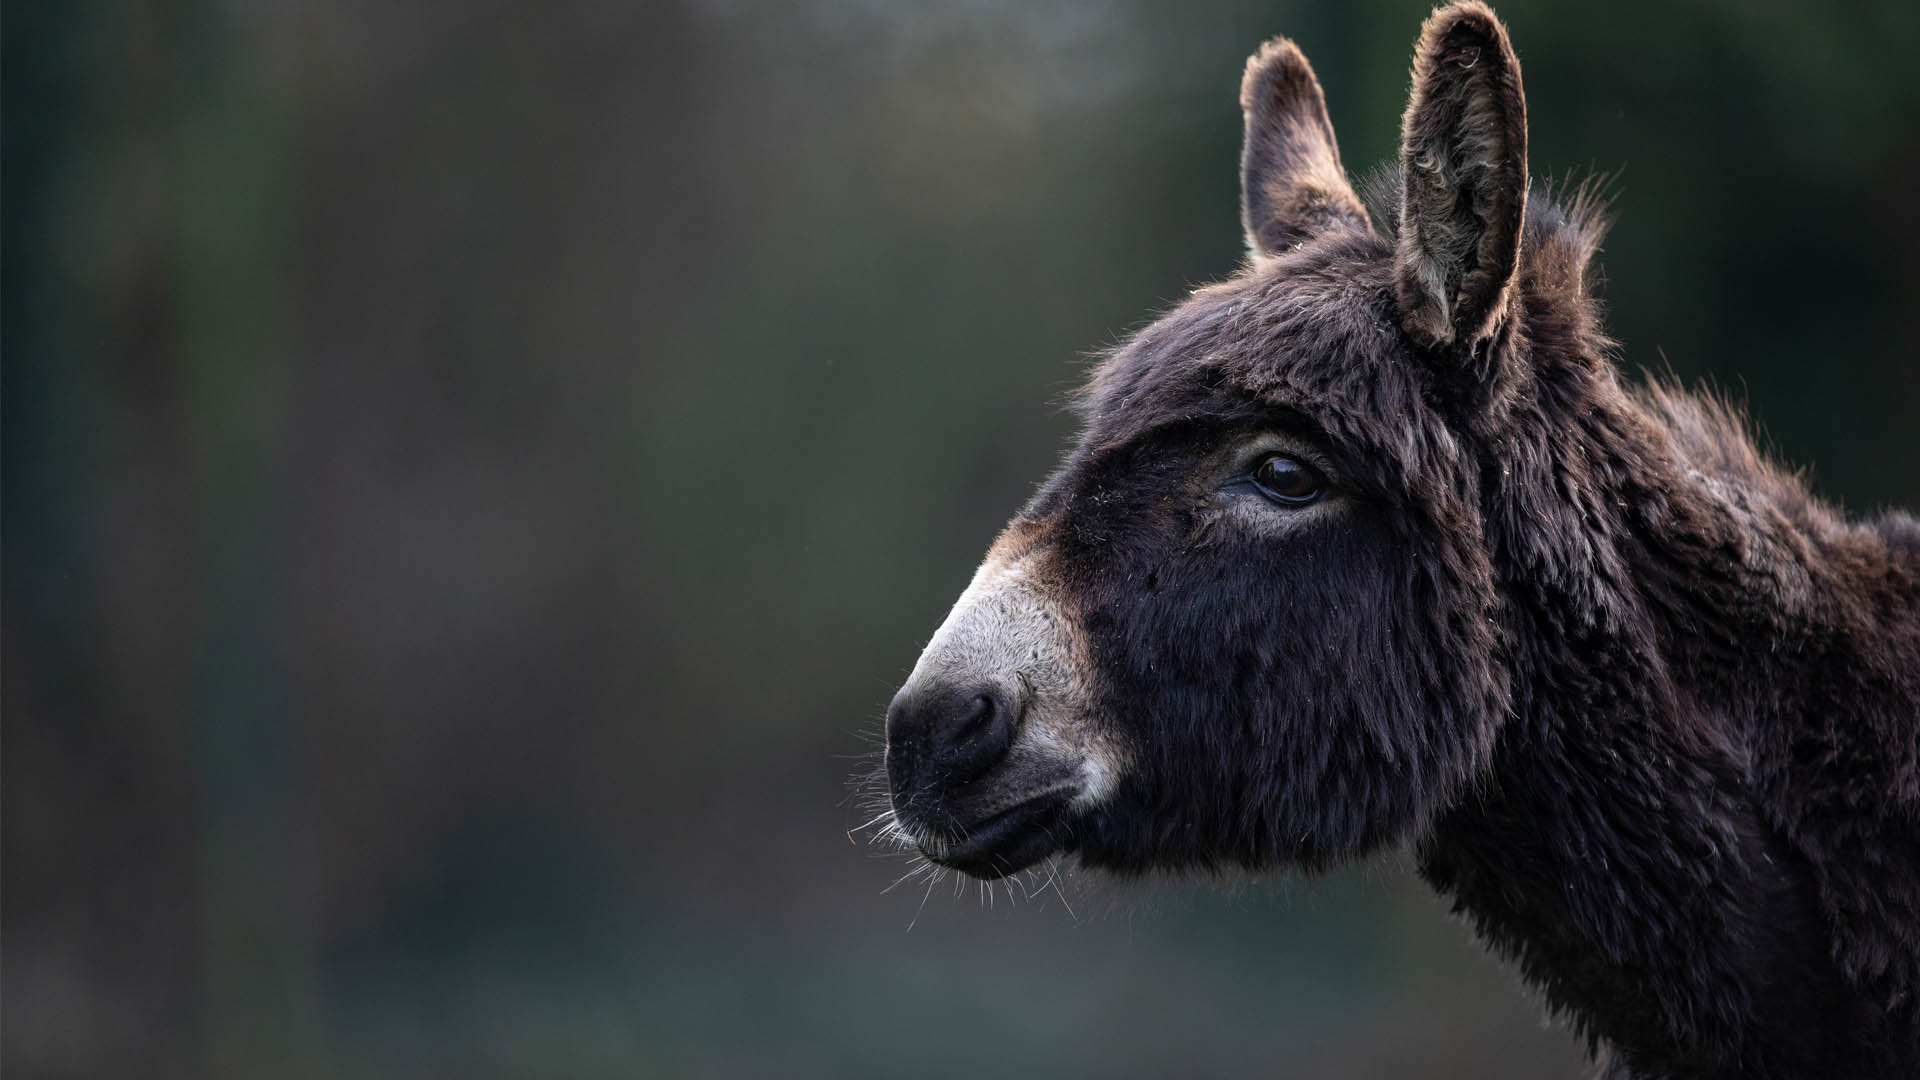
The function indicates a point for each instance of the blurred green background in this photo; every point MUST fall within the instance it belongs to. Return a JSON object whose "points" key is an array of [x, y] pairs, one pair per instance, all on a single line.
{"points": [[471, 470]]}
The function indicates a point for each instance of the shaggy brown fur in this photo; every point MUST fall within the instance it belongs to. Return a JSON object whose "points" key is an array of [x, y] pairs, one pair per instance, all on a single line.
{"points": [[1646, 709]]}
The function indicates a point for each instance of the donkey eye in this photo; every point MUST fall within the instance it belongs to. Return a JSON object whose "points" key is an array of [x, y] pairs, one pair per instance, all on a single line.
{"points": [[1288, 480]]}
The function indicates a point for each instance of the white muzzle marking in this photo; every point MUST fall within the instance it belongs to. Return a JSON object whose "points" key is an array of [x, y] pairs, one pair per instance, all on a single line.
{"points": [[1008, 628]]}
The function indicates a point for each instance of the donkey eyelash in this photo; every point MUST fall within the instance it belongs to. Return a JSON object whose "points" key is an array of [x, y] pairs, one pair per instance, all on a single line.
{"points": [[1249, 457]]}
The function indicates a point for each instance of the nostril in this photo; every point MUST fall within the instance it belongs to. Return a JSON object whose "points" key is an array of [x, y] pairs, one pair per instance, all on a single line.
{"points": [[977, 732], [948, 735], [975, 723]]}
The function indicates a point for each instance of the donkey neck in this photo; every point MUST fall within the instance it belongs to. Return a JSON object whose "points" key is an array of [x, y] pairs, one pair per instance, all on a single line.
{"points": [[1618, 851]]}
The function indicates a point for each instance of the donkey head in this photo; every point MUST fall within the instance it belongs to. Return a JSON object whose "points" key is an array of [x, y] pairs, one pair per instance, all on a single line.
{"points": [[1252, 619]]}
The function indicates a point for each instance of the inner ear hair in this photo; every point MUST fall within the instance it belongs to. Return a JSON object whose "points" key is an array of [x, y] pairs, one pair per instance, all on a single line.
{"points": [[1463, 157], [1292, 186]]}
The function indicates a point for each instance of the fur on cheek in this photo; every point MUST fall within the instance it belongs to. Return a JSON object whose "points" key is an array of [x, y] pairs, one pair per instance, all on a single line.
{"points": [[1338, 724]]}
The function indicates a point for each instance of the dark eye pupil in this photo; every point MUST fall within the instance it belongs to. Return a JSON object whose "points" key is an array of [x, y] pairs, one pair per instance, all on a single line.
{"points": [[1287, 480]]}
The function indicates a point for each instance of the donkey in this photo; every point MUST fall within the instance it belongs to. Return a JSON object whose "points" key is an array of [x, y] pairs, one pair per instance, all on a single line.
{"points": [[1369, 546]]}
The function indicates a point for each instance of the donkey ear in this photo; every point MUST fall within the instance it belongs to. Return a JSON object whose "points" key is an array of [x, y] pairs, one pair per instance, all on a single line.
{"points": [[1463, 156], [1291, 184]]}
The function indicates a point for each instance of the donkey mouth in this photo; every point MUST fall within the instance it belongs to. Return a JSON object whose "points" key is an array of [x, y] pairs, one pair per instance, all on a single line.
{"points": [[1007, 842]]}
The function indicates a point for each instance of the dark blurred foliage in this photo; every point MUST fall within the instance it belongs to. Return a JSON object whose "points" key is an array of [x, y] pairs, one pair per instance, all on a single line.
{"points": [[471, 469]]}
